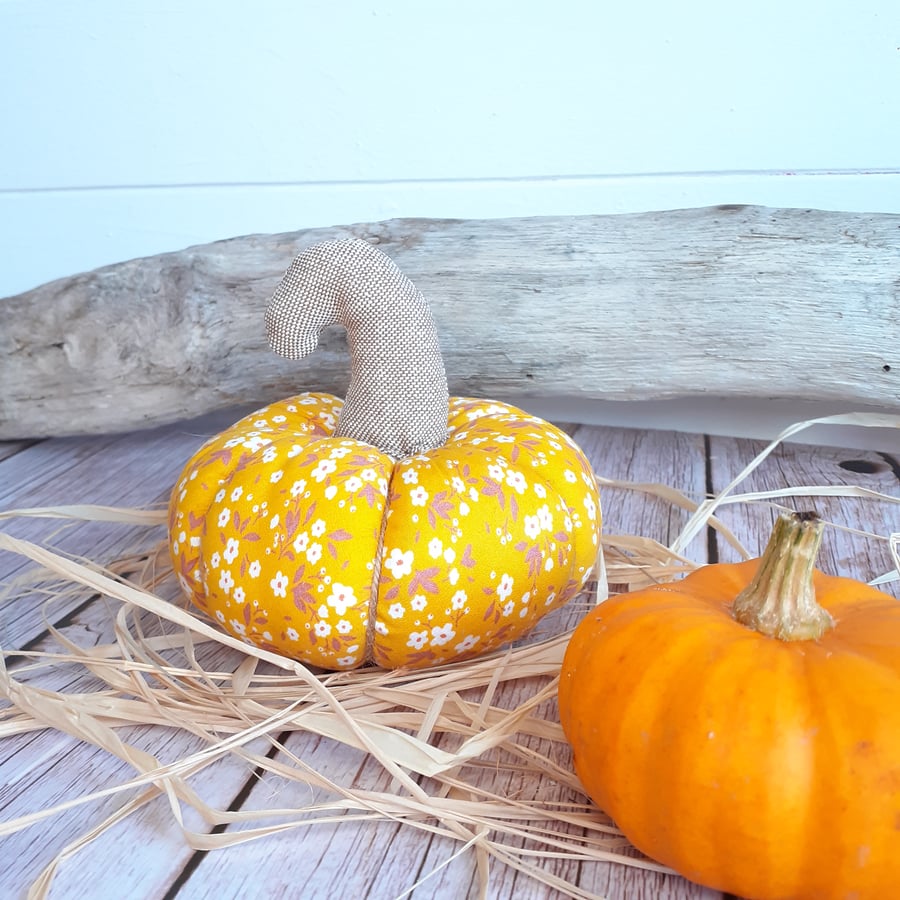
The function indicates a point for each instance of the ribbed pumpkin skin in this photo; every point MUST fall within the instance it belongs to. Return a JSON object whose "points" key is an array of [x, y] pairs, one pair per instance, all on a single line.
{"points": [[765, 768]]}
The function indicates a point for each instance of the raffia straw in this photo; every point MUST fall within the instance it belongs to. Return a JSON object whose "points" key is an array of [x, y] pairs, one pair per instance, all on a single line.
{"points": [[444, 738], [705, 511]]}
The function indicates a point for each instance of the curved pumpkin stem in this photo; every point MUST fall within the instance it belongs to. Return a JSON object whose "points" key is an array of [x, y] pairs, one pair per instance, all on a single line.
{"points": [[397, 399], [781, 599]]}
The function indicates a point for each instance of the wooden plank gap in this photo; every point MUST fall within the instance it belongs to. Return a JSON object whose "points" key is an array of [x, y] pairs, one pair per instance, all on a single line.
{"points": [[9, 449], [70, 617], [238, 801], [712, 540]]}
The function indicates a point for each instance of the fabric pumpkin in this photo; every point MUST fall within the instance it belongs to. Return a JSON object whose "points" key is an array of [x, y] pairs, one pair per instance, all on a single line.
{"points": [[328, 549], [742, 726]]}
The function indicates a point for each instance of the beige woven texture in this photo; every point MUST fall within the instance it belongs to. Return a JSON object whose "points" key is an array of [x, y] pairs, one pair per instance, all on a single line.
{"points": [[397, 399]]}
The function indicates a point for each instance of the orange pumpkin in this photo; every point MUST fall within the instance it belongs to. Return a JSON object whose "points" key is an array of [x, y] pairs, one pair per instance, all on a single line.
{"points": [[742, 726], [400, 527]]}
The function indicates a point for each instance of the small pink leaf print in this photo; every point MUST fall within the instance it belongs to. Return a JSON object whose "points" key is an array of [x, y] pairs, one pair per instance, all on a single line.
{"points": [[301, 591], [332, 550], [515, 453], [391, 592], [194, 521], [467, 559], [310, 512], [441, 505], [340, 535], [422, 656], [561, 536], [247, 612], [513, 507], [302, 596], [424, 580], [252, 536], [368, 492], [535, 559], [291, 523], [521, 547], [223, 456], [236, 519], [492, 489], [188, 566], [489, 613], [243, 462]]}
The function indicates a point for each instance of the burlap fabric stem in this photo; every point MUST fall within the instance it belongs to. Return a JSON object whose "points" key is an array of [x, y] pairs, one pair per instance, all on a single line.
{"points": [[398, 398]]}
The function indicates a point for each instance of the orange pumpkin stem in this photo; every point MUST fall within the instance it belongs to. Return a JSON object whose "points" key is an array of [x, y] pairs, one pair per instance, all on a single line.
{"points": [[781, 600]]}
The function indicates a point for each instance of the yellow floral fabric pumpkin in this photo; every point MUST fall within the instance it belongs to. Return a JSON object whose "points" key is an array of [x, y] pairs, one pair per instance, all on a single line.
{"points": [[327, 549]]}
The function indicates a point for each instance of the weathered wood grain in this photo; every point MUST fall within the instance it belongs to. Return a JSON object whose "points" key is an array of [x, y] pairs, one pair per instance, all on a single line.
{"points": [[724, 301], [640, 456], [11, 448], [363, 859], [845, 550], [122, 470], [146, 855], [146, 849], [403, 855]]}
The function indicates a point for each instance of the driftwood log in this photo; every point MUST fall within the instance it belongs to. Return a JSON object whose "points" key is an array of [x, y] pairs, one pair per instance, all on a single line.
{"points": [[724, 301]]}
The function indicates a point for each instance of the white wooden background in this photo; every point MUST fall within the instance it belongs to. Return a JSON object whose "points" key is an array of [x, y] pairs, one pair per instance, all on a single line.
{"points": [[134, 128]]}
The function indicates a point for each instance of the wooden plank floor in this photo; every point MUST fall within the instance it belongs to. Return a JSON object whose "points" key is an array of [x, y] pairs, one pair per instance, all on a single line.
{"points": [[146, 856]]}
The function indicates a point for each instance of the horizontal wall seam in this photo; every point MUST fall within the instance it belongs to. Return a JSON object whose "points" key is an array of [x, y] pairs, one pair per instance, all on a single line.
{"points": [[485, 180]]}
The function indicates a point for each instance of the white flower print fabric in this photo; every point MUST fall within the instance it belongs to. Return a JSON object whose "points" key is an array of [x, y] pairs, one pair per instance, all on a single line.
{"points": [[327, 550]]}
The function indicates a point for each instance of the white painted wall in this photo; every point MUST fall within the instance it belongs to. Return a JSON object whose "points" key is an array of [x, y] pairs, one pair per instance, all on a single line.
{"points": [[131, 127]]}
